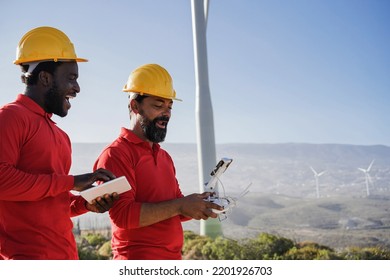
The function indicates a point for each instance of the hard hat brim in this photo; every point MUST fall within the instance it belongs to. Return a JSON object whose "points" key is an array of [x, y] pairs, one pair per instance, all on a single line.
{"points": [[21, 61], [149, 94]]}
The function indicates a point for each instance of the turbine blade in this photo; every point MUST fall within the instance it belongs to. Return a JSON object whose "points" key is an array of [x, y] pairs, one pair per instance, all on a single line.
{"points": [[369, 167]]}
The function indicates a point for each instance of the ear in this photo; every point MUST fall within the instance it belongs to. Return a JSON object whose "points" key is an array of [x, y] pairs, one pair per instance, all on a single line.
{"points": [[45, 78], [134, 106]]}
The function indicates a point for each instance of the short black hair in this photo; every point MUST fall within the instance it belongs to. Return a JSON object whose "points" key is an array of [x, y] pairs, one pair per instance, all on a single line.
{"points": [[47, 66], [137, 97]]}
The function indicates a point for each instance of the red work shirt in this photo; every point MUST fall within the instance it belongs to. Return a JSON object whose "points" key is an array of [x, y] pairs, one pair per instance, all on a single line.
{"points": [[152, 176], [35, 202]]}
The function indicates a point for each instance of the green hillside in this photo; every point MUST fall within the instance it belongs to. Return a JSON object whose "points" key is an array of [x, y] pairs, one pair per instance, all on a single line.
{"points": [[337, 222]]}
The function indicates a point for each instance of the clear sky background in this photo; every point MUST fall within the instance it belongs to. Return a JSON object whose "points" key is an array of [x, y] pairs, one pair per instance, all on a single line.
{"points": [[280, 71]]}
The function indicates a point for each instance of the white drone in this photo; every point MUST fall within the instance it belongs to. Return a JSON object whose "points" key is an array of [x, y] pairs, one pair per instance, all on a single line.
{"points": [[227, 202]]}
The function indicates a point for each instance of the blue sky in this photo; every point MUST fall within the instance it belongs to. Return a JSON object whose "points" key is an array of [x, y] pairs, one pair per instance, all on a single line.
{"points": [[280, 71]]}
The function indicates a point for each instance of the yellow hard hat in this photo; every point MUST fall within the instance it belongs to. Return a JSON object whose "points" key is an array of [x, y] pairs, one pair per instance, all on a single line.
{"points": [[45, 44], [151, 79]]}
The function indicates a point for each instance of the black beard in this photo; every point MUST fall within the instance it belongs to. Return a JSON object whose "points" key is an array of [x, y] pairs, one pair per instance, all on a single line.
{"points": [[54, 102], [152, 132]]}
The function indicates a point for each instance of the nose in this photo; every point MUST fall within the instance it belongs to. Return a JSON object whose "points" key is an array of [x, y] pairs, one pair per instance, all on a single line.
{"points": [[167, 112], [76, 87]]}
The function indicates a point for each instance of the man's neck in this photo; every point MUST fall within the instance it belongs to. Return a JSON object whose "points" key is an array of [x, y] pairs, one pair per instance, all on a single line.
{"points": [[137, 130], [35, 96]]}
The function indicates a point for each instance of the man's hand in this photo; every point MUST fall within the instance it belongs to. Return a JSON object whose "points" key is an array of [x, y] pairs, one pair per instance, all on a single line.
{"points": [[102, 203], [196, 207], [193, 206], [85, 181]]}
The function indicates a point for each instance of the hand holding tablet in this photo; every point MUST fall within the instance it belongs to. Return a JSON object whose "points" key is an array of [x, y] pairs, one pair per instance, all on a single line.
{"points": [[118, 185]]}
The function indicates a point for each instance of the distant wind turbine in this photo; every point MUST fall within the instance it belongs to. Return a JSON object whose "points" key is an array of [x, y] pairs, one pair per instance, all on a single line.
{"points": [[367, 177], [316, 175]]}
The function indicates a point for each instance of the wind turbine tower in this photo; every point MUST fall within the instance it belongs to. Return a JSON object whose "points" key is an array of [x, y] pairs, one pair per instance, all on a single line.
{"points": [[207, 158], [316, 175], [367, 177]]}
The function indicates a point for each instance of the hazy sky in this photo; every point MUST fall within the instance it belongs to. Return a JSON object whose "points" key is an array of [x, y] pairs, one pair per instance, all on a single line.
{"points": [[280, 71]]}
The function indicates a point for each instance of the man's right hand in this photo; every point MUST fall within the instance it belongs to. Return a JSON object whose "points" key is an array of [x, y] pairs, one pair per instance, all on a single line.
{"points": [[197, 207], [85, 181]]}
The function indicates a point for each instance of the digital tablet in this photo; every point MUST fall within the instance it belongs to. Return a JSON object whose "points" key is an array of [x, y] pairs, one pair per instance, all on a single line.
{"points": [[118, 185]]}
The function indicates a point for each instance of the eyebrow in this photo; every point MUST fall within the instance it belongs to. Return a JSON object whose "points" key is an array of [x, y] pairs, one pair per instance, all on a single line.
{"points": [[74, 74], [162, 100]]}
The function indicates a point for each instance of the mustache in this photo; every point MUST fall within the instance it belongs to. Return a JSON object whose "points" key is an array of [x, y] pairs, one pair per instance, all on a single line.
{"points": [[162, 118]]}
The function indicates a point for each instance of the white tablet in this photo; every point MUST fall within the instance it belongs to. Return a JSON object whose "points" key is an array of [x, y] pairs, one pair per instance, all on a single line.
{"points": [[118, 185]]}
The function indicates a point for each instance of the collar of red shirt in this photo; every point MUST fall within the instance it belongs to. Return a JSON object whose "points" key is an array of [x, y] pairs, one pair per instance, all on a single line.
{"points": [[131, 137], [32, 106]]}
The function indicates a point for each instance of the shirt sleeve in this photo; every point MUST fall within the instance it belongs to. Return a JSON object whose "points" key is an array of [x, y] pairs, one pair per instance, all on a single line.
{"points": [[77, 205], [125, 213], [17, 185]]}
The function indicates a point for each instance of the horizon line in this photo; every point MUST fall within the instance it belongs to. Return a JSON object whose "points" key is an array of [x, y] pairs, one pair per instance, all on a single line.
{"points": [[248, 143]]}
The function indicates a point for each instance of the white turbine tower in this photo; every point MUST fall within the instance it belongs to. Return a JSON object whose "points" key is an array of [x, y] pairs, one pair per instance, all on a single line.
{"points": [[316, 175], [207, 158], [367, 177]]}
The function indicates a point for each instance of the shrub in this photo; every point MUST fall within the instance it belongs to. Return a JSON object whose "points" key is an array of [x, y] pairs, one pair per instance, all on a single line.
{"points": [[310, 251], [93, 247], [222, 249], [95, 239], [355, 253], [193, 245], [265, 247], [105, 250]]}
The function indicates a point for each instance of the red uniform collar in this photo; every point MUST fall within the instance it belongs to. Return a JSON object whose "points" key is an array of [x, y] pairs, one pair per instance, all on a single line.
{"points": [[32, 105], [131, 137]]}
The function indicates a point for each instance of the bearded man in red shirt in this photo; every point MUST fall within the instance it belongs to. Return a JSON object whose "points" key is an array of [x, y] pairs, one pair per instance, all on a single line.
{"points": [[146, 221], [36, 205]]}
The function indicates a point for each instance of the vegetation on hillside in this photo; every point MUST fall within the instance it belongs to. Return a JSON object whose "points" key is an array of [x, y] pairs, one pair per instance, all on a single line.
{"points": [[264, 247]]}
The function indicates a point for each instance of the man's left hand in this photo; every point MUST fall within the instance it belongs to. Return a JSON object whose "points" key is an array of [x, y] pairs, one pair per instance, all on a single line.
{"points": [[102, 203]]}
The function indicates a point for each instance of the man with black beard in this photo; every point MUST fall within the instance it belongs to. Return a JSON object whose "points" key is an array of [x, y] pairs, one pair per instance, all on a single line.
{"points": [[36, 204], [146, 221]]}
